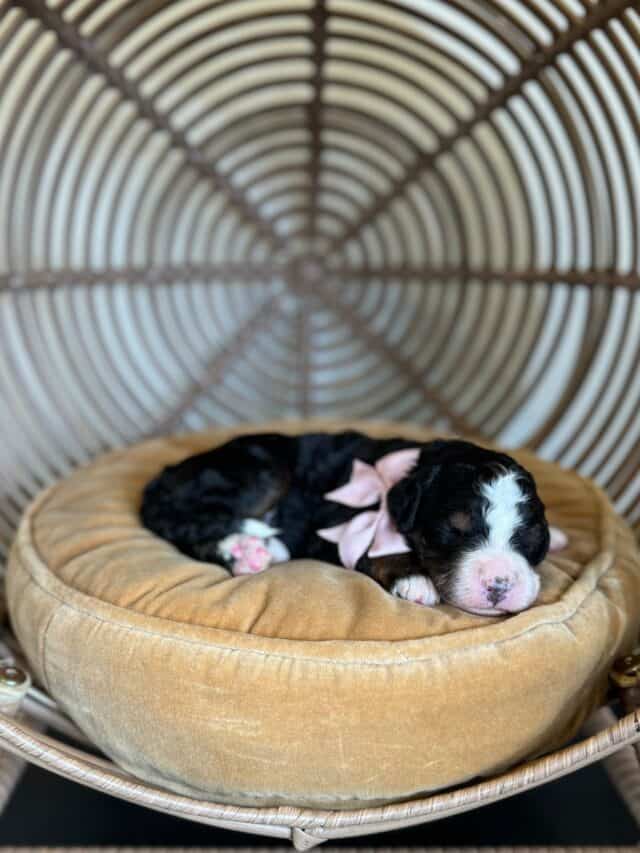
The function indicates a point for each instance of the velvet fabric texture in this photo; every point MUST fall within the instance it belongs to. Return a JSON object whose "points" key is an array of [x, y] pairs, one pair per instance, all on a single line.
{"points": [[308, 684]]}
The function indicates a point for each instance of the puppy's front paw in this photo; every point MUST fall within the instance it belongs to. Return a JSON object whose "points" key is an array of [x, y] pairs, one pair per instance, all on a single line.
{"points": [[558, 539], [416, 588]]}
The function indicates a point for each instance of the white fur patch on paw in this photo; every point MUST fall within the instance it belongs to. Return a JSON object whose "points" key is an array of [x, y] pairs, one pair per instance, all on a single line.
{"points": [[278, 550], [255, 527], [558, 539], [416, 588]]}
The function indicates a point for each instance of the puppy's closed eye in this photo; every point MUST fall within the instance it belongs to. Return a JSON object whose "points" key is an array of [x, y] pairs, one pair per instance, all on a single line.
{"points": [[533, 533], [533, 542], [453, 531]]}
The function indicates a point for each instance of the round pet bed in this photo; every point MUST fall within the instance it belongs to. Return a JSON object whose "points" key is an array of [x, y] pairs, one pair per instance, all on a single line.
{"points": [[306, 685]]}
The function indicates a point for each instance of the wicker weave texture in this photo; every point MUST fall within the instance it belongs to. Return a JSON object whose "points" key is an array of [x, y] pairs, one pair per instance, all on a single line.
{"points": [[224, 210]]}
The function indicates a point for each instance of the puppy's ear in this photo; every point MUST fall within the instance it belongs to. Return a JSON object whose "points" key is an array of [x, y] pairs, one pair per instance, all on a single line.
{"points": [[403, 501]]}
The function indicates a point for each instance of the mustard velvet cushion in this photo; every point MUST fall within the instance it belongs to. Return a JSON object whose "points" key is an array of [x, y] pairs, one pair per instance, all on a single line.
{"points": [[308, 684]]}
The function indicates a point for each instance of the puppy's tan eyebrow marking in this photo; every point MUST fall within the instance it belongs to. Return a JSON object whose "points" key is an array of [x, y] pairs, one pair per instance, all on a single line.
{"points": [[460, 520]]}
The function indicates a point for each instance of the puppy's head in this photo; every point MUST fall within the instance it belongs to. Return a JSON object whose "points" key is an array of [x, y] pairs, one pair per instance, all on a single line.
{"points": [[476, 524]]}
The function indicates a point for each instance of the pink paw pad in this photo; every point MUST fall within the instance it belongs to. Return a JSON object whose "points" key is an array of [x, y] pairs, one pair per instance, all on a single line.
{"points": [[249, 554]]}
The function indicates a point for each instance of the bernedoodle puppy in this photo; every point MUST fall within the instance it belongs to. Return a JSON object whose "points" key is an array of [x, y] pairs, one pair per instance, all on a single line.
{"points": [[447, 519]]}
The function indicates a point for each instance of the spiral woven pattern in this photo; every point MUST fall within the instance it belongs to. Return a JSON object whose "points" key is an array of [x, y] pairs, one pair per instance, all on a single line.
{"points": [[224, 211]]}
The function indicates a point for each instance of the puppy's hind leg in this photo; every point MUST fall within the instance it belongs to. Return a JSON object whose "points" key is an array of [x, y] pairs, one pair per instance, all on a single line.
{"points": [[206, 498]]}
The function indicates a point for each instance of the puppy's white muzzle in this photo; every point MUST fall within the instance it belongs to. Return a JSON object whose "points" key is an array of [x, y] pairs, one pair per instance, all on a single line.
{"points": [[494, 582]]}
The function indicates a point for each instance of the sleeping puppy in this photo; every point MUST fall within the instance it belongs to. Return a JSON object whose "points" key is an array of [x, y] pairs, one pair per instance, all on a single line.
{"points": [[443, 520]]}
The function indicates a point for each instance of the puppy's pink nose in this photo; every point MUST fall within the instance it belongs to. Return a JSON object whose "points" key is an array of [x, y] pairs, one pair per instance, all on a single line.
{"points": [[498, 588]]}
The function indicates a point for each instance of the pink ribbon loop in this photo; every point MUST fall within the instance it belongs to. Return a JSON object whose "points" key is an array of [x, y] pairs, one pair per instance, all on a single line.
{"points": [[374, 530]]}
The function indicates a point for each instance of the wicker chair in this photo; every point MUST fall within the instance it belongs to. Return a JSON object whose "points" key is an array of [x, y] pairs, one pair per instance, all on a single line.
{"points": [[227, 211]]}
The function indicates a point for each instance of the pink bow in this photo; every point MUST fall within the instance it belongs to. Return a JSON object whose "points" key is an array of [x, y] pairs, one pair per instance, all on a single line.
{"points": [[372, 531]]}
